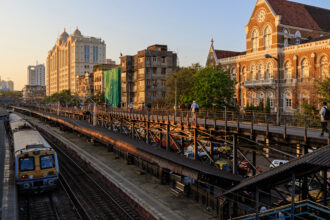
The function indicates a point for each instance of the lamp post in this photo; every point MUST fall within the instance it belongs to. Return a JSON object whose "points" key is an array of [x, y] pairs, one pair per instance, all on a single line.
{"points": [[175, 98], [278, 113]]}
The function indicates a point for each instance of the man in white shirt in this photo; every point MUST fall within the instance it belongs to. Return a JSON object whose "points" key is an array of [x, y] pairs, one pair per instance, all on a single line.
{"points": [[324, 122], [194, 109]]}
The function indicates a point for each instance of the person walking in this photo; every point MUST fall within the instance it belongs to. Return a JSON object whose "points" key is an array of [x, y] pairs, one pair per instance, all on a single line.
{"points": [[194, 109], [131, 107], [325, 117]]}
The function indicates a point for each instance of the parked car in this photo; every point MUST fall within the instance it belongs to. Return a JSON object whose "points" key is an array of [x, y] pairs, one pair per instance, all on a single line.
{"points": [[277, 163]]}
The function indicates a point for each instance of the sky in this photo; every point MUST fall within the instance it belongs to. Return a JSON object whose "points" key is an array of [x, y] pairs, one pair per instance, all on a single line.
{"points": [[29, 29]]}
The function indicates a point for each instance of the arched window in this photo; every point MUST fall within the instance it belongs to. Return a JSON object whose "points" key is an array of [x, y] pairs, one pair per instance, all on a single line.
{"points": [[269, 71], [260, 72], [287, 70], [324, 67], [250, 98], [286, 38], [244, 74], [261, 98], [254, 40], [270, 96], [254, 99], [233, 73], [253, 72], [287, 100], [267, 37], [304, 69], [298, 37]]}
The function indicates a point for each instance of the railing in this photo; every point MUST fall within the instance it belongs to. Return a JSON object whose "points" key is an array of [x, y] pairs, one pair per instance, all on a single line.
{"points": [[203, 115], [262, 82]]}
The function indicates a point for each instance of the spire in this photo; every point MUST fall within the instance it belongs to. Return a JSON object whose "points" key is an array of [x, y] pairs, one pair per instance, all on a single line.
{"points": [[212, 41]]}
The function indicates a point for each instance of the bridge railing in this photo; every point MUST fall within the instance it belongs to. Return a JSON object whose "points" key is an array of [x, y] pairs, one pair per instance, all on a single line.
{"points": [[203, 115]]}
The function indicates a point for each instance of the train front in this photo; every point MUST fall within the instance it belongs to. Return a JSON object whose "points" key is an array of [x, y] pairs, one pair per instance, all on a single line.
{"points": [[36, 170]]}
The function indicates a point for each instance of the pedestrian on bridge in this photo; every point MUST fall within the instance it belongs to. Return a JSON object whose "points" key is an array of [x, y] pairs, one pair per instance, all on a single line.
{"points": [[131, 107], [325, 117], [194, 109]]}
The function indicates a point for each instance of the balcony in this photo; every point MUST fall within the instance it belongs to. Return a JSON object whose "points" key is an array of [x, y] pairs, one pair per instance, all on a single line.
{"points": [[259, 83], [288, 82]]}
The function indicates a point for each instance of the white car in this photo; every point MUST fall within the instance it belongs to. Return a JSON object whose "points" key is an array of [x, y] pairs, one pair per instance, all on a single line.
{"points": [[277, 163]]}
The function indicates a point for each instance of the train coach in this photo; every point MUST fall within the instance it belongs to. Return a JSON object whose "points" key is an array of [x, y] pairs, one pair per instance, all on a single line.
{"points": [[36, 164]]}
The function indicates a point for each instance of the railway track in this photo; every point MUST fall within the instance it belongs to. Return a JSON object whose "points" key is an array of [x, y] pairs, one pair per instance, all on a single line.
{"points": [[92, 199]]}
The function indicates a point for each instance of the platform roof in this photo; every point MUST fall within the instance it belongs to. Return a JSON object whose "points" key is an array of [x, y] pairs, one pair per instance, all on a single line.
{"points": [[300, 166]]}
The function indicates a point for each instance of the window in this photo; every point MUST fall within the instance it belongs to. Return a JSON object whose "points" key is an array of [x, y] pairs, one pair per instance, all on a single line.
{"points": [[95, 54], [244, 74], [253, 72], [47, 161], [154, 59], [154, 94], [267, 37], [287, 100], [163, 59], [269, 71], [163, 71], [286, 38], [298, 37], [154, 70], [287, 70], [324, 68], [163, 94], [26, 163], [254, 40], [163, 82], [260, 72], [305, 68], [86, 53]]}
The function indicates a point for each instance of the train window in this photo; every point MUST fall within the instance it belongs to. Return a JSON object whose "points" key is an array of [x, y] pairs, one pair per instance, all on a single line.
{"points": [[26, 163], [47, 161]]}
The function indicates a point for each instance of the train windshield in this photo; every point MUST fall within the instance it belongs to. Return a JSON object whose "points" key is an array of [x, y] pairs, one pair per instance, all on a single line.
{"points": [[47, 161], [26, 163]]}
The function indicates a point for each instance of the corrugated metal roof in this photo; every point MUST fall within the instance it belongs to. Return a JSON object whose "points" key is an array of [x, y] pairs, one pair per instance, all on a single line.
{"points": [[3, 112], [320, 158]]}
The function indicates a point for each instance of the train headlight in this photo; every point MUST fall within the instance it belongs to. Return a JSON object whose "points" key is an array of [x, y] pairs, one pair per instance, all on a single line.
{"points": [[31, 177]]}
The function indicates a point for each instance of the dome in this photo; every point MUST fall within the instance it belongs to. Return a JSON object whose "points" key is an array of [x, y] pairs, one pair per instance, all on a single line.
{"points": [[77, 32], [64, 36]]}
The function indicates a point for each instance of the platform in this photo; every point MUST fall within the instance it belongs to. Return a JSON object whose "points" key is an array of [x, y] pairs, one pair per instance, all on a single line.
{"points": [[8, 194], [144, 189]]}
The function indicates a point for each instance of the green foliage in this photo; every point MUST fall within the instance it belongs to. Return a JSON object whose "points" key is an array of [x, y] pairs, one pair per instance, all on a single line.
{"points": [[267, 108], [184, 80], [323, 90], [211, 85], [308, 109]]}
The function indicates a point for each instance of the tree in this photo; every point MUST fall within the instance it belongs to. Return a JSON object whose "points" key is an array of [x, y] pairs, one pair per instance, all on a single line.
{"points": [[212, 85], [323, 90], [184, 80], [267, 108]]}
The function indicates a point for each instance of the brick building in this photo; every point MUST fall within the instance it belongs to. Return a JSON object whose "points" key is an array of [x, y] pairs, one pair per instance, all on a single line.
{"points": [[143, 75], [296, 38]]}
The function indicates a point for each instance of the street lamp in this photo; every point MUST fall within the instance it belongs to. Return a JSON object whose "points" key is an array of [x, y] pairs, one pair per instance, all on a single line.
{"points": [[175, 98], [278, 113]]}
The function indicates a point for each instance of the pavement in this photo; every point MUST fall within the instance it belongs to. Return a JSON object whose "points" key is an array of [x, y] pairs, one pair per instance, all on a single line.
{"points": [[144, 189], [8, 194]]}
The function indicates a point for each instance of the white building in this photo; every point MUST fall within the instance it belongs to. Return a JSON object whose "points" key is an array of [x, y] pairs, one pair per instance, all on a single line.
{"points": [[36, 75], [72, 56]]}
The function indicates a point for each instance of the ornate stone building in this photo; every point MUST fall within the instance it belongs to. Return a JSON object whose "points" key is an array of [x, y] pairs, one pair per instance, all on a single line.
{"points": [[287, 49], [85, 85], [143, 75], [72, 56]]}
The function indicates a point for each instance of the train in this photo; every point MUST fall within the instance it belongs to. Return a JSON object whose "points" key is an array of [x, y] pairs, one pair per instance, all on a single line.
{"points": [[36, 162]]}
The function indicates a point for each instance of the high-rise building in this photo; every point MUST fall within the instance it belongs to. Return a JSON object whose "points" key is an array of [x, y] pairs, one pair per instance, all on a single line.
{"points": [[287, 50], [36, 75], [72, 56], [6, 85], [143, 76]]}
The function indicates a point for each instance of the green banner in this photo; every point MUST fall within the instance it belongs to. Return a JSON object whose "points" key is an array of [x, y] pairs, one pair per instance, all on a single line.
{"points": [[112, 86]]}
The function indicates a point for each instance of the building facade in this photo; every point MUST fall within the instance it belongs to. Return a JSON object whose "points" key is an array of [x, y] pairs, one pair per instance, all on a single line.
{"points": [[85, 85], [143, 76], [36, 75], [33, 92], [72, 56], [99, 76], [287, 49], [6, 85]]}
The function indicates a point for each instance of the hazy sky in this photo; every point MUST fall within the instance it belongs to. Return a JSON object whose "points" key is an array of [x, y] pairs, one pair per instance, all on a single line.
{"points": [[29, 28]]}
